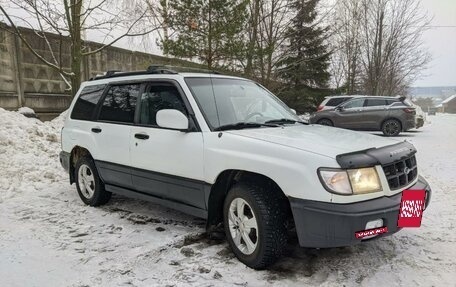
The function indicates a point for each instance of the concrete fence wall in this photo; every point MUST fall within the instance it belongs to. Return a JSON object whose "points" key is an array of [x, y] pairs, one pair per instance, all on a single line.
{"points": [[27, 81]]}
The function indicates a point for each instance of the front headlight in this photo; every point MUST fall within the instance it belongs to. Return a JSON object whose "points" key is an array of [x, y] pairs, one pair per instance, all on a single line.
{"points": [[351, 181], [364, 180]]}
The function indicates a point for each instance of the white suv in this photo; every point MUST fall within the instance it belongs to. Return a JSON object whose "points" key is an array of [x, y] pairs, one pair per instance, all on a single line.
{"points": [[226, 149]]}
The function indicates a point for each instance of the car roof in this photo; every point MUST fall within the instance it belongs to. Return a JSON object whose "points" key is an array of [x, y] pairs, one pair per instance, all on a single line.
{"points": [[118, 78], [363, 96], [340, 96]]}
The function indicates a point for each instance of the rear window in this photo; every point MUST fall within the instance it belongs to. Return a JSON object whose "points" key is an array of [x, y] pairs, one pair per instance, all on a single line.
{"points": [[86, 103], [336, 101], [120, 103]]}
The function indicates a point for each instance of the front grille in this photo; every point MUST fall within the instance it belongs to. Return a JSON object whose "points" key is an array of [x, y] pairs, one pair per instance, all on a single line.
{"points": [[401, 173]]}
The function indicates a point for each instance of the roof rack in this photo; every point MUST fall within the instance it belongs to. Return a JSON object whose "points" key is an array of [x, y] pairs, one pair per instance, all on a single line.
{"points": [[189, 69], [152, 69]]}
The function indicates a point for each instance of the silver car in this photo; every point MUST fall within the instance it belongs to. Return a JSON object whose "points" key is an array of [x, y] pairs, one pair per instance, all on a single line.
{"points": [[387, 114]]}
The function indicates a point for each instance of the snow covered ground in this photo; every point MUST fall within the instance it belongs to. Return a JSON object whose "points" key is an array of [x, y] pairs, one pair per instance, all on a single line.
{"points": [[48, 237]]}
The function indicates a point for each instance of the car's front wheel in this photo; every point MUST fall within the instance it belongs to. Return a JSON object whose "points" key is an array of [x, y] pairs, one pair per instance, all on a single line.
{"points": [[325, 122], [391, 127], [255, 224], [89, 185]]}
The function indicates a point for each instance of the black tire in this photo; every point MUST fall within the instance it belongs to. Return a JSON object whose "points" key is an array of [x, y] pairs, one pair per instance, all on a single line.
{"points": [[99, 196], [391, 127], [325, 122], [270, 211]]}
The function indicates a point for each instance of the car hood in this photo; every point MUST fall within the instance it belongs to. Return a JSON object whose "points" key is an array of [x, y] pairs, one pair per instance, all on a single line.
{"points": [[323, 140]]}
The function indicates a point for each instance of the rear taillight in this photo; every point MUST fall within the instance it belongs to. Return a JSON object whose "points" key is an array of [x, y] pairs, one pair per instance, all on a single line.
{"points": [[320, 108], [409, 110]]}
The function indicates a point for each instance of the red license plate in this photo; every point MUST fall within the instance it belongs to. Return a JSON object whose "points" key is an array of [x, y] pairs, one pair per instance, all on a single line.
{"points": [[411, 211], [370, 232]]}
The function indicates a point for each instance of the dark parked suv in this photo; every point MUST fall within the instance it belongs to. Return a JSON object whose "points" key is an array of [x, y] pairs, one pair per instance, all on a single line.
{"points": [[387, 114]]}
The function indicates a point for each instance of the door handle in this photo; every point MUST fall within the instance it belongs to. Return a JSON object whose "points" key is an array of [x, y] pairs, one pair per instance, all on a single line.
{"points": [[142, 136], [96, 130]]}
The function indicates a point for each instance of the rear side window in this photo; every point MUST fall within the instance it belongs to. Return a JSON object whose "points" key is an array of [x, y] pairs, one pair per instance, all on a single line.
{"points": [[375, 102], [336, 101], [159, 97], [86, 103], [391, 101], [120, 103]]}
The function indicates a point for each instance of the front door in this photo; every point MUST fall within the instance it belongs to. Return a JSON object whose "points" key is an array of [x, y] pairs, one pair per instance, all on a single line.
{"points": [[349, 115], [166, 163]]}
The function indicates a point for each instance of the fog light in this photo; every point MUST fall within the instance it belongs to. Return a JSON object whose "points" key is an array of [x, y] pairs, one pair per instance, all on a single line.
{"points": [[373, 224]]}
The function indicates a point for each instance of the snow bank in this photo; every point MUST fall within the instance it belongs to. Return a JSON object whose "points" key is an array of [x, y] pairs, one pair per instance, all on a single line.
{"points": [[28, 153], [28, 112]]}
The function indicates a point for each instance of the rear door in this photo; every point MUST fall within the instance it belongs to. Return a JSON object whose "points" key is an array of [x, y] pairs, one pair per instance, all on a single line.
{"points": [[112, 133], [374, 112], [167, 163], [349, 116]]}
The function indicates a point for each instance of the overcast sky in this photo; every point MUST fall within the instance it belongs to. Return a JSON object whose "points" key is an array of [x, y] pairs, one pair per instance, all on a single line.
{"points": [[441, 42]]}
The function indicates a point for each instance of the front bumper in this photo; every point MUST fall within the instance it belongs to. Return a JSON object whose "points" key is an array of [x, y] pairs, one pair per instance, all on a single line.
{"points": [[323, 225]]}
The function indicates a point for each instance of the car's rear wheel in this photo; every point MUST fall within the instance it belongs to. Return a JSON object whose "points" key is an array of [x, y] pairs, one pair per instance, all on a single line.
{"points": [[325, 122], [255, 224], [89, 185], [391, 127]]}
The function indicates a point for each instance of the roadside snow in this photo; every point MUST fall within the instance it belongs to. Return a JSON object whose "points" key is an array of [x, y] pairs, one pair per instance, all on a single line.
{"points": [[48, 237], [26, 111]]}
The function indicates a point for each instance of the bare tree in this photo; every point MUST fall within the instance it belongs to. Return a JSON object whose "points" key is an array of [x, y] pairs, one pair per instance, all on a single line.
{"points": [[380, 44], [72, 19], [347, 44], [265, 34]]}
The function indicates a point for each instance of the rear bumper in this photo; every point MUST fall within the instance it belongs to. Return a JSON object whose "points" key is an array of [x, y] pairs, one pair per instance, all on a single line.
{"points": [[419, 122], [409, 124], [65, 160], [323, 225]]}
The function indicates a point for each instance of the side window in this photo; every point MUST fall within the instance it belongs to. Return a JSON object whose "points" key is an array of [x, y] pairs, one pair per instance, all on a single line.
{"points": [[86, 103], [356, 103], [375, 102], [336, 101], [119, 104], [159, 97]]}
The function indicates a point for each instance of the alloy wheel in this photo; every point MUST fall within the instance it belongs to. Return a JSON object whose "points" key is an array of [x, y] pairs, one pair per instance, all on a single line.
{"points": [[86, 181], [243, 226]]}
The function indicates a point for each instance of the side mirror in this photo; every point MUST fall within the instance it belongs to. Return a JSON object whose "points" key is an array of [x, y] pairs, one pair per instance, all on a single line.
{"points": [[294, 111], [172, 119]]}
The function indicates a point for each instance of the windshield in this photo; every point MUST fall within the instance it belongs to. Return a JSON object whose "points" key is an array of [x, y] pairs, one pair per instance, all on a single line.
{"points": [[232, 101]]}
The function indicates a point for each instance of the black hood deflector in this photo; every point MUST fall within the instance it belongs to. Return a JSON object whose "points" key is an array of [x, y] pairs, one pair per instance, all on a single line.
{"points": [[376, 156]]}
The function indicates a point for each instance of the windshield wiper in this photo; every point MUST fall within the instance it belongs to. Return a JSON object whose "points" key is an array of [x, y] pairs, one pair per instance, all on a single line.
{"points": [[284, 121], [243, 125]]}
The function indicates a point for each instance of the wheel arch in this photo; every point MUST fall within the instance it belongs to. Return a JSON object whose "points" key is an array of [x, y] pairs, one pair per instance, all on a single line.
{"points": [[76, 153], [225, 180]]}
